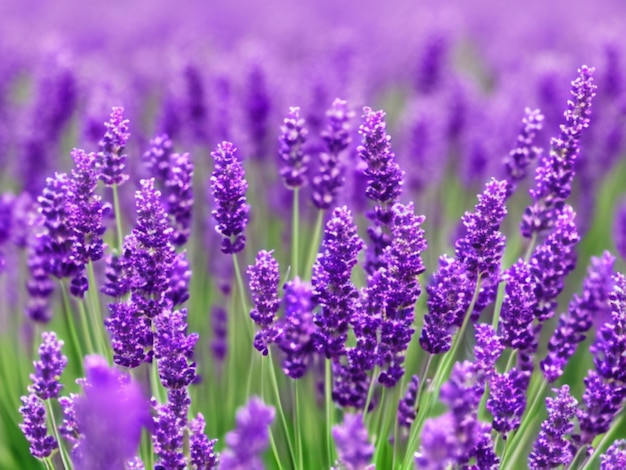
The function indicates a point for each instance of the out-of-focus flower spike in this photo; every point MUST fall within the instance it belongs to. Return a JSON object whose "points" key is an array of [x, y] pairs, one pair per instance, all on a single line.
{"points": [[257, 107], [264, 282], [619, 228], [178, 291], [291, 149], [179, 196], [219, 326], [111, 157], [615, 456], [157, 157], [517, 313], [39, 285], [34, 427], [406, 406], [353, 445]]}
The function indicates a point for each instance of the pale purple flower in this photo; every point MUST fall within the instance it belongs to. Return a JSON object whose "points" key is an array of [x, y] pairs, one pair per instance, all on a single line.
{"points": [[352, 442]]}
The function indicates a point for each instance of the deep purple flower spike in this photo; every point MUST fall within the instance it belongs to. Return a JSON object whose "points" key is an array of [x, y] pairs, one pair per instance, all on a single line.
{"points": [[178, 193], [157, 157], [291, 150], [34, 427], [353, 445], [615, 456], [202, 453], [264, 281], [48, 368], [112, 160], [517, 313]]}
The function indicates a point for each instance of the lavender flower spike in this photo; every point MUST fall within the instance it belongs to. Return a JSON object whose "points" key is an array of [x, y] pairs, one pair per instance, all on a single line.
{"points": [[34, 427], [615, 456], [250, 439], [352, 442], [332, 288], [112, 160], [202, 453], [228, 186], [264, 282], [517, 314], [554, 175], [48, 368], [291, 149]]}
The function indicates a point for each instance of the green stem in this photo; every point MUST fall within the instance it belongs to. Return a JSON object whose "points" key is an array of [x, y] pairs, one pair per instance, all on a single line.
{"points": [[579, 452], [328, 401], [315, 241], [298, 423], [67, 464], [84, 320], [295, 232], [118, 219], [531, 247], [609, 436], [281, 412]]}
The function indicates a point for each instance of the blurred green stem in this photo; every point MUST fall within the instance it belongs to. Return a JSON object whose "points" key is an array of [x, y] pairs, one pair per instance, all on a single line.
{"points": [[315, 241], [67, 464], [68, 318], [118, 219], [295, 242]]}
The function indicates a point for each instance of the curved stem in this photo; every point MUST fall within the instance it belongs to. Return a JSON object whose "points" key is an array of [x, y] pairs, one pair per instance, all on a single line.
{"points": [[602, 445], [328, 383], [295, 223], [118, 219], [315, 241]]}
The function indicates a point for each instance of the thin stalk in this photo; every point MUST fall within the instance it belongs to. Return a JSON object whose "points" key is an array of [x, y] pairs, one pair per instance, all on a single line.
{"points": [[69, 322], [118, 219], [242, 297], [383, 433], [424, 378], [298, 423], [579, 452], [155, 383], [370, 392], [281, 412], [315, 240], [67, 464], [328, 402], [99, 331], [531, 247], [609, 436], [295, 223], [84, 320]]}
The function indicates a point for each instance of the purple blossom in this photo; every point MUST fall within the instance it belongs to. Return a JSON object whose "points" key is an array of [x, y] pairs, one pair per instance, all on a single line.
{"points": [[179, 196], [178, 291], [39, 285], [337, 138], [111, 158], [517, 313], [484, 452], [518, 159], [6, 221], [219, 326], [507, 400], [251, 437], [353, 446], [173, 349], [110, 416], [406, 406], [118, 271], [487, 350], [202, 453], [130, 333], [439, 444], [68, 428], [433, 63], [257, 106], [264, 281], [157, 157], [552, 448], [167, 438], [48, 368], [34, 427], [291, 149], [482, 246], [333, 290], [574, 325], [296, 328], [228, 186], [553, 178], [615, 456], [449, 296]]}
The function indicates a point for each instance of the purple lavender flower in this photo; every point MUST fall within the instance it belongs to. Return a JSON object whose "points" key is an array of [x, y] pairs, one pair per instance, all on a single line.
{"points": [[439, 445], [484, 452], [406, 406], [433, 63], [6, 221], [264, 281], [574, 324], [157, 157], [296, 328], [615, 456], [507, 399], [449, 296], [219, 325], [39, 285], [332, 288], [552, 448], [229, 187], [202, 453], [173, 349], [112, 160], [178, 291], [130, 333], [353, 446], [179, 196], [517, 314], [167, 437], [68, 428], [291, 149], [337, 138], [404, 265], [48, 368], [619, 228], [118, 270], [518, 159], [34, 427], [257, 108], [488, 348], [482, 246], [553, 179], [110, 416], [251, 437]]}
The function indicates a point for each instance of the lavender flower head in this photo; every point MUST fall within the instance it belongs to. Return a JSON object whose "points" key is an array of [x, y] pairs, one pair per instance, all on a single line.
{"points": [[264, 281], [332, 288], [110, 416], [439, 445], [157, 157], [406, 406], [179, 196], [615, 456], [251, 437], [34, 427], [112, 160], [202, 453], [554, 175], [507, 400], [517, 314], [353, 446], [551, 448], [228, 186], [488, 349], [291, 149], [48, 368]]}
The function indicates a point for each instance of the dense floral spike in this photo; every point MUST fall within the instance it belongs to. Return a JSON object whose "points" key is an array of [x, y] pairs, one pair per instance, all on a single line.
{"points": [[157, 157], [553, 178], [507, 399], [179, 196], [517, 313], [257, 107], [337, 138], [332, 288], [48, 368], [34, 427], [6, 222], [487, 350], [130, 332], [552, 448], [353, 446], [404, 265], [619, 229], [173, 349], [178, 291], [583, 309], [484, 452], [68, 429], [449, 296], [615, 456], [406, 406], [439, 445], [517, 161], [201, 449], [296, 328], [264, 281], [117, 283], [291, 143], [251, 437], [552, 262], [168, 437], [39, 285], [228, 186], [109, 437], [482, 246], [111, 158], [219, 326]]}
